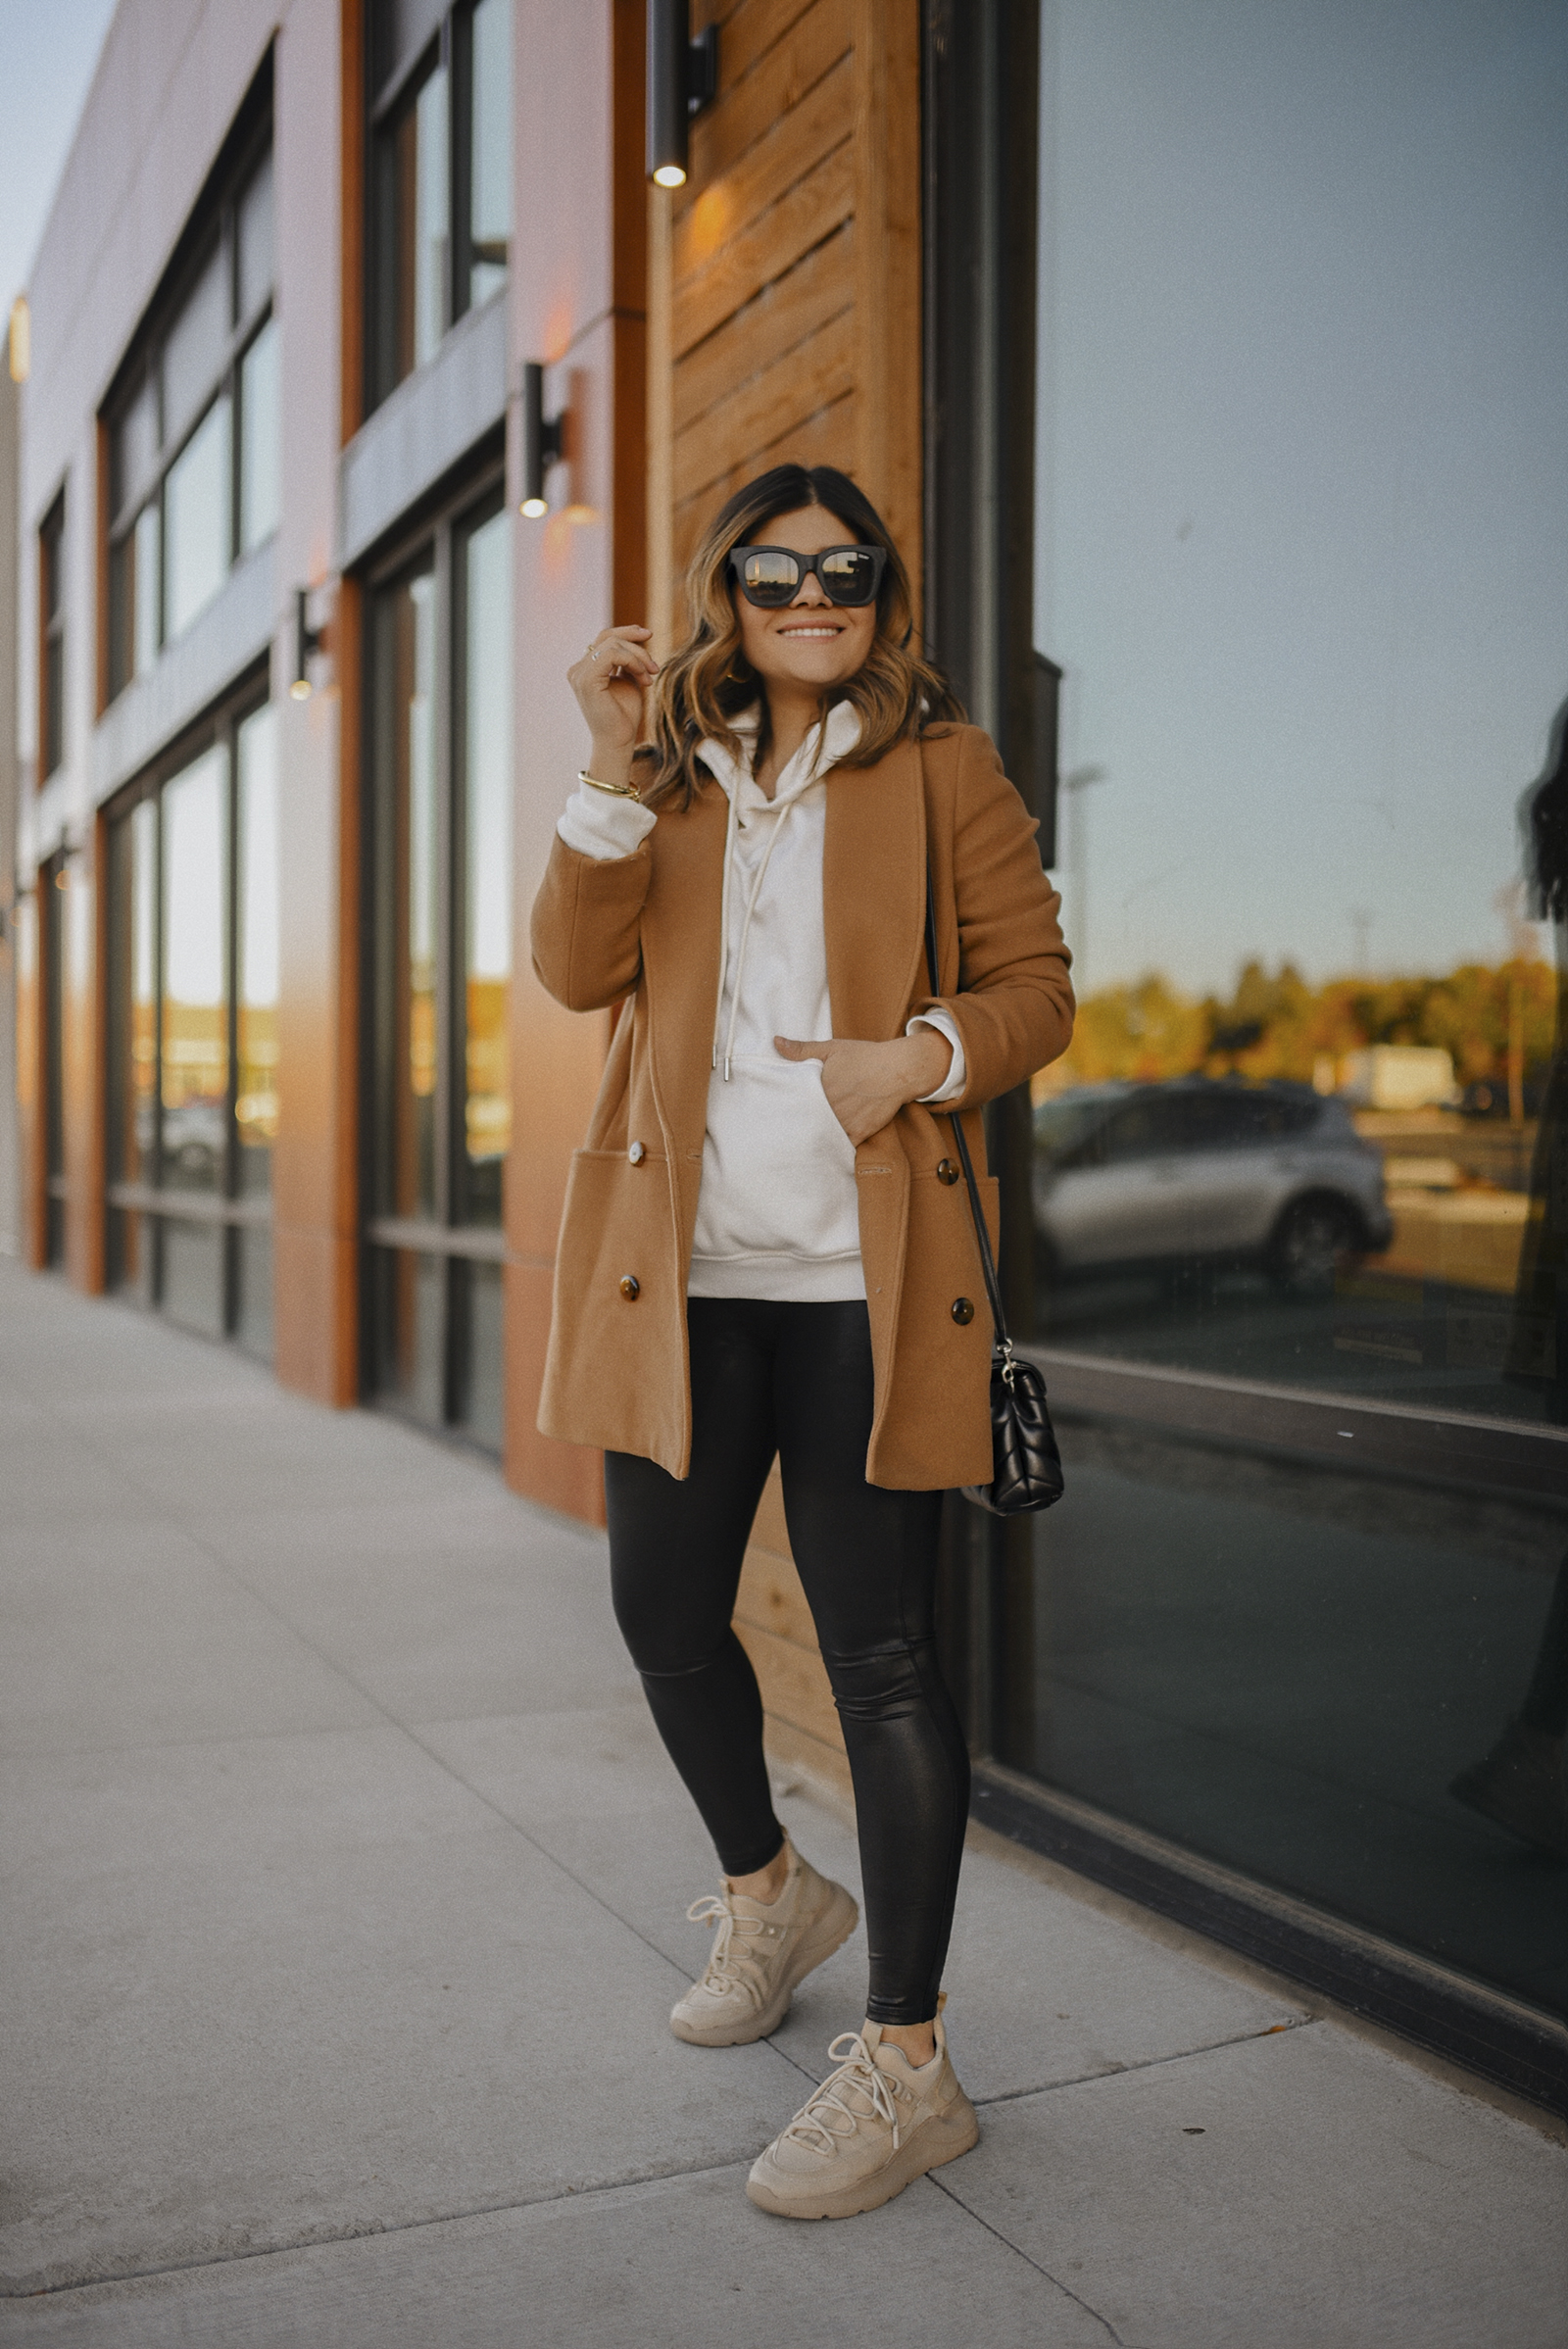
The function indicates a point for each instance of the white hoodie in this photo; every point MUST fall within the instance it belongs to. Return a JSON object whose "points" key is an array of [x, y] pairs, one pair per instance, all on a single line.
{"points": [[777, 1213]]}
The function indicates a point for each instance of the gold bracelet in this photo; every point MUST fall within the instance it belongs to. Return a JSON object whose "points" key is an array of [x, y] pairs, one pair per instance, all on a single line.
{"points": [[618, 790]]}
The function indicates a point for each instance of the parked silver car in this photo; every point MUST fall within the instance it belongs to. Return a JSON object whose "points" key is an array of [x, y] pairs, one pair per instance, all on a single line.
{"points": [[1139, 1176]]}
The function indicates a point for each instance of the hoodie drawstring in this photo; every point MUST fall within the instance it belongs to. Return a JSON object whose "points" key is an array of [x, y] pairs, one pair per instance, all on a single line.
{"points": [[816, 748], [746, 924], [731, 821]]}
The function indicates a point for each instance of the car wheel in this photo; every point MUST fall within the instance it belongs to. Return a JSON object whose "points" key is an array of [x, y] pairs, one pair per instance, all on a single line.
{"points": [[1314, 1239]]}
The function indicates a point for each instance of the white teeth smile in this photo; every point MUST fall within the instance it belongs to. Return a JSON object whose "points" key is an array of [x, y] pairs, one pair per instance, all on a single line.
{"points": [[809, 632]]}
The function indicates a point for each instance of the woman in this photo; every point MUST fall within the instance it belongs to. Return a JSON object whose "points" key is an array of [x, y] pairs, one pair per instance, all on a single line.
{"points": [[766, 1248]]}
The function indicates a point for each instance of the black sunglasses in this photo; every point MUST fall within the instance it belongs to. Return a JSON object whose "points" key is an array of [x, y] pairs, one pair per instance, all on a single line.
{"points": [[773, 576]]}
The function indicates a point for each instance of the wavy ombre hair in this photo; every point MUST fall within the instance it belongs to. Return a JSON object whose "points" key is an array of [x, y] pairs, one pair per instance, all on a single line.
{"points": [[706, 686]]}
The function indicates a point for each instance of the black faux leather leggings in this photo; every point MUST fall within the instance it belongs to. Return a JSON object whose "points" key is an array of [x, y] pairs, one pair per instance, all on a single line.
{"points": [[795, 1380]]}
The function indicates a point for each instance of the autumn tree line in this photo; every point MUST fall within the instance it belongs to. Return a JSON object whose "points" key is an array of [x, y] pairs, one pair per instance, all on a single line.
{"points": [[1281, 1027]]}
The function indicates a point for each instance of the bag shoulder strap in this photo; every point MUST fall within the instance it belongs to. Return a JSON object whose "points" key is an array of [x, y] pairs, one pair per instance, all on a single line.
{"points": [[988, 1262]]}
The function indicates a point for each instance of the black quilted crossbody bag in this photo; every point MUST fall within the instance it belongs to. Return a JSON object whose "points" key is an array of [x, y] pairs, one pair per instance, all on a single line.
{"points": [[1025, 1464]]}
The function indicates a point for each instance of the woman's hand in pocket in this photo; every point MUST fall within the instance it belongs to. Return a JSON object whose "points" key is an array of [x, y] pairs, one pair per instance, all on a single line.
{"points": [[866, 1085]]}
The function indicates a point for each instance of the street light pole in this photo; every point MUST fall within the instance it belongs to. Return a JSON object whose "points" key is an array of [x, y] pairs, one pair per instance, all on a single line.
{"points": [[1078, 856]]}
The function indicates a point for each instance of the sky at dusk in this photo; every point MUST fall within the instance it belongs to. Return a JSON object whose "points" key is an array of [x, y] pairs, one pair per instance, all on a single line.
{"points": [[1302, 524], [48, 49]]}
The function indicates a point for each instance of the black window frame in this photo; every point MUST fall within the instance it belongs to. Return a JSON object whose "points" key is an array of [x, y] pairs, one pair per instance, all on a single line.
{"points": [[430, 543], [154, 1202], [213, 227], [443, 37], [52, 637]]}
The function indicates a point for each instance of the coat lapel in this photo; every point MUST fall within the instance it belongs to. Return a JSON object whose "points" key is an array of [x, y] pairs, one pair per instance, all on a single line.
{"points": [[873, 892], [680, 929]]}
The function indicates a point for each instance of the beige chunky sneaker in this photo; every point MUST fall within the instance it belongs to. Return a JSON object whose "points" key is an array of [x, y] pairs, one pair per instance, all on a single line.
{"points": [[874, 2126], [761, 1951]]}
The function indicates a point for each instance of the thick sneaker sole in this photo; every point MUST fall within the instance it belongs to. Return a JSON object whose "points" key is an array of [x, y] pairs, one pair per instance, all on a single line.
{"points": [[830, 1932], [940, 2140]]}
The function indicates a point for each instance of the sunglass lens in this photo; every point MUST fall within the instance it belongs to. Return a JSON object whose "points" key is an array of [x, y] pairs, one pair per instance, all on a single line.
{"points": [[849, 575], [770, 576]]}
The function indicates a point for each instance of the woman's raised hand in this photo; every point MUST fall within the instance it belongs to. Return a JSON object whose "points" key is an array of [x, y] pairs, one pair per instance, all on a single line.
{"points": [[610, 682]]}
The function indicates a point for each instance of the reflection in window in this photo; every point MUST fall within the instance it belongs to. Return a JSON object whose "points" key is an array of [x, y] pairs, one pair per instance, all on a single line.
{"points": [[52, 636], [193, 355], [1294, 556], [256, 240], [490, 190], [407, 1171], [441, 177], [487, 743], [143, 548], [193, 1036], [1264, 471], [419, 227], [195, 1011], [132, 1154], [256, 952], [196, 509], [260, 442], [441, 846], [136, 842], [185, 504]]}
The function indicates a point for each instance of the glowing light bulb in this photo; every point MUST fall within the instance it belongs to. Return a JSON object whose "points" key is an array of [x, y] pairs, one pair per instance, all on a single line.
{"points": [[671, 174], [533, 508], [301, 689]]}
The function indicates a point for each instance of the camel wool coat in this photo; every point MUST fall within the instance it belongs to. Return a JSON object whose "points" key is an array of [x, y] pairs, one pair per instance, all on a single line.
{"points": [[646, 928]]}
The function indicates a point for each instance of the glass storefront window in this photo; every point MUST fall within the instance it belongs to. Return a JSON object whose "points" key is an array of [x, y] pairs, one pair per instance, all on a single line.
{"points": [[256, 241], [132, 1154], [52, 635], [1301, 557], [406, 1172], [194, 1053], [193, 1048], [440, 183], [143, 548], [260, 440], [440, 839], [193, 355], [196, 509], [256, 1042], [490, 192], [1294, 417], [194, 435], [487, 846], [418, 226]]}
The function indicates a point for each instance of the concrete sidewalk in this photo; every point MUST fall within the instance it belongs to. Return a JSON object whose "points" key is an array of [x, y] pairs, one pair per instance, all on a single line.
{"points": [[345, 1884]]}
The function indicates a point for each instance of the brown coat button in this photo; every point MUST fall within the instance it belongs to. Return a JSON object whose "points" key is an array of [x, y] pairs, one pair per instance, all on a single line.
{"points": [[962, 1310], [947, 1172], [637, 1154], [631, 1286]]}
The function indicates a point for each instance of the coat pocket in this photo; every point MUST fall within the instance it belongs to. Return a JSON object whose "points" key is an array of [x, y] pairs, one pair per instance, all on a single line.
{"points": [[779, 1169], [615, 1371]]}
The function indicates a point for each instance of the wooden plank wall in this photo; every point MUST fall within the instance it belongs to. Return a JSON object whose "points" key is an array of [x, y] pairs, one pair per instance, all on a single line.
{"points": [[785, 324], [794, 261]]}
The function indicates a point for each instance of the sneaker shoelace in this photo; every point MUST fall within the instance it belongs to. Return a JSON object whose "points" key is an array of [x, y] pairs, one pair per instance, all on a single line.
{"points": [[826, 2118], [728, 1967]]}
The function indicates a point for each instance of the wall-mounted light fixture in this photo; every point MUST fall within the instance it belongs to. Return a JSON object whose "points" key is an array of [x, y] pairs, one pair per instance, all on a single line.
{"points": [[544, 442], [307, 642], [682, 78]]}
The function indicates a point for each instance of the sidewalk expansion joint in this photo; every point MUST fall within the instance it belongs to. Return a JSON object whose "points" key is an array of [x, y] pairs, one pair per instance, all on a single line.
{"points": [[226, 1568], [944, 2187], [1147, 2063], [298, 2246]]}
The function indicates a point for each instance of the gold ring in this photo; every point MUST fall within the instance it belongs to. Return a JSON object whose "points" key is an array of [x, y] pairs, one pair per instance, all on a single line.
{"points": [[593, 651]]}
